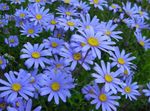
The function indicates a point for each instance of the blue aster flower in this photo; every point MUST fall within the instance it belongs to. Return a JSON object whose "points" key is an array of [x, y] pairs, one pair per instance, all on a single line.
{"points": [[4, 6], [3, 62], [99, 3], [38, 14], [38, 2], [147, 91], [35, 55], [95, 42], [121, 59], [130, 90], [69, 1], [3, 103], [142, 40], [59, 33], [108, 29], [30, 30], [21, 13], [103, 99], [12, 41], [75, 57], [114, 7], [57, 86], [106, 76], [17, 85], [26, 107], [53, 44]]}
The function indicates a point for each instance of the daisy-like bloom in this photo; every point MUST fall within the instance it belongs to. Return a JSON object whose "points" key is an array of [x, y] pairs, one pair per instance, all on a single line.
{"points": [[75, 57], [108, 30], [59, 33], [53, 44], [68, 23], [142, 40], [114, 7], [3, 103], [129, 89], [21, 13], [16, 85], [12, 41], [59, 65], [16, 1], [147, 91], [4, 6], [67, 11], [57, 86], [35, 55], [86, 22], [25, 106], [95, 42], [129, 9], [121, 59], [38, 2], [69, 1], [99, 3], [3, 62], [104, 99], [104, 75], [30, 30], [38, 15]]}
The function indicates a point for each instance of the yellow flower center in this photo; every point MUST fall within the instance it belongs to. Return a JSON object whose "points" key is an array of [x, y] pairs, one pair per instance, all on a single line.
{"points": [[126, 72], [103, 97], [83, 44], [12, 41], [37, 1], [108, 32], [141, 13], [121, 61], [22, 15], [77, 56], [108, 78], [67, 1], [32, 80], [1, 62], [88, 27], [4, 7], [16, 87], [17, 104], [54, 44], [69, 23], [113, 6], [95, 1], [38, 16], [58, 35], [137, 26], [58, 66], [127, 89], [55, 86], [53, 22], [93, 41], [142, 43], [36, 55], [2, 105], [68, 13], [30, 31]]}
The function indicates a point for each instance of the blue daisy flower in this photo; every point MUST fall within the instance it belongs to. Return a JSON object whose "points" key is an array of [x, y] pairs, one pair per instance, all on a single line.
{"points": [[12, 41], [3, 62], [121, 59], [35, 55], [4, 6], [3, 103], [59, 33], [129, 89], [147, 91], [95, 42], [38, 2], [104, 75], [57, 86], [114, 7], [16, 86], [104, 99], [21, 13], [99, 3]]}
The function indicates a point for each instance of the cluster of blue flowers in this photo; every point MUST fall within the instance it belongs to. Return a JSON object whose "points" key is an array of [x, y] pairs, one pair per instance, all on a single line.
{"points": [[76, 41]]}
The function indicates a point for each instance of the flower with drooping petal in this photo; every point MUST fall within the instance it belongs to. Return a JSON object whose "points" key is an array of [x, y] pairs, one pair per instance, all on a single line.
{"points": [[35, 55], [147, 91]]}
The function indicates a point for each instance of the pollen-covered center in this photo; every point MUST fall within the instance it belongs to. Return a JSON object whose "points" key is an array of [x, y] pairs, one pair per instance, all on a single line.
{"points": [[1, 62], [36, 55], [108, 32], [68, 13], [83, 44], [38, 16], [103, 97], [113, 6], [58, 65], [2, 105], [93, 41], [22, 15], [16, 87], [53, 22], [11, 40], [126, 72], [142, 43], [121, 61], [127, 89], [38, 1], [77, 56], [30, 31], [67, 1], [95, 1], [69, 23], [54, 44], [55, 86], [108, 78]]}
